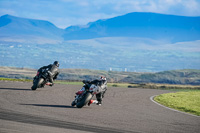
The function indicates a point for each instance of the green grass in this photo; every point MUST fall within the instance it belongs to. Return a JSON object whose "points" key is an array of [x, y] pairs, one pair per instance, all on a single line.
{"points": [[123, 85], [12, 79], [148, 86], [188, 101], [174, 87]]}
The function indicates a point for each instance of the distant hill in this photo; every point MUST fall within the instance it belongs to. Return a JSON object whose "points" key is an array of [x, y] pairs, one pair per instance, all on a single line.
{"points": [[168, 28], [27, 30], [185, 77], [140, 42]]}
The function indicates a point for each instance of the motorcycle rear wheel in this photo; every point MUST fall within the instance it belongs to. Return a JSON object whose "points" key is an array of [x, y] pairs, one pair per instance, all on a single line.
{"points": [[84, 101]]}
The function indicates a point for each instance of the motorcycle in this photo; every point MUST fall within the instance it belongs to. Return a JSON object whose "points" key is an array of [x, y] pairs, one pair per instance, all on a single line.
{"points": [[84, 96], [41, 79]]}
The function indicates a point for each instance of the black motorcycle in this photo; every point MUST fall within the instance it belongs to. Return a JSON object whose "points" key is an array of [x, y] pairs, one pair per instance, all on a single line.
{"points": [[41, 79]]}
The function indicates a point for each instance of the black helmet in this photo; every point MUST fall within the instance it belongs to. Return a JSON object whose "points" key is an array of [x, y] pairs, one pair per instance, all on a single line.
{"points": [[56, 63]]}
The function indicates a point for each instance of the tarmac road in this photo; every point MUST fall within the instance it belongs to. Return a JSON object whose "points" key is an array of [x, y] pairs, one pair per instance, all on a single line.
{"points": [[48, 110]]}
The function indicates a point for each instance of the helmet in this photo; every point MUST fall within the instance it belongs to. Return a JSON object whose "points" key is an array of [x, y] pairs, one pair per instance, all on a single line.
{"points": [[56, 63], [102, 78]]}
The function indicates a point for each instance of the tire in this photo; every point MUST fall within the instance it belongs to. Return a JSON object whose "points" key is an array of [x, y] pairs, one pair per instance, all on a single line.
{"points": [[73, 103], [84, 101], [37, 84], [34, 87]]}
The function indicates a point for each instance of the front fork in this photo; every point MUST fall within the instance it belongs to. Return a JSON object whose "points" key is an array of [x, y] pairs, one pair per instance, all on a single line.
{"points": [[78, 96], [76, 99], [36, 77]]}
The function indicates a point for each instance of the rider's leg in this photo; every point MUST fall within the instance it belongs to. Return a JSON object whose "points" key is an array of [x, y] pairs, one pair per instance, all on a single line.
{"points": [[99, 98], [51, 81]]}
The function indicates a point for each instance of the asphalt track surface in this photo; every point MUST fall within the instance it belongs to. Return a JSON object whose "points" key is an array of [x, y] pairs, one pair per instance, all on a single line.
{"points": [[124, 110]]}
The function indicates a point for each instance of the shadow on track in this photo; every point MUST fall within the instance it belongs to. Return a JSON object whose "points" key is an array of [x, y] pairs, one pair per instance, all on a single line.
{"points": [[20, 89], [45, 121], [47, 105]]}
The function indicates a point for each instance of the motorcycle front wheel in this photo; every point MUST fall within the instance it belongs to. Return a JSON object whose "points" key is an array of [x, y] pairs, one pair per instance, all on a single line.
{"points": [[73, 103], [37, 84], [84, 100]]}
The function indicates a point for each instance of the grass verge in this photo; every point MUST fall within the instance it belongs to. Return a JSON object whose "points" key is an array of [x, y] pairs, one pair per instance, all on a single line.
{"points": [[123, 85], [188, 101], [11, 79]]}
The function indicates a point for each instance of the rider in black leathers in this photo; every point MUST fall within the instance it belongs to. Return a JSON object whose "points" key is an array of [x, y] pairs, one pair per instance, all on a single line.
{"points": [[53, 71]]}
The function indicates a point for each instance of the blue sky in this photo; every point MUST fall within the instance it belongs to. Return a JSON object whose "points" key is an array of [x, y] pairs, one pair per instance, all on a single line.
{"points": [[64, 13]]}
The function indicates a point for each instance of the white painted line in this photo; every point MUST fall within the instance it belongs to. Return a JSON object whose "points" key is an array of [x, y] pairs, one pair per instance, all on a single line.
{"points": [[152, 97]]}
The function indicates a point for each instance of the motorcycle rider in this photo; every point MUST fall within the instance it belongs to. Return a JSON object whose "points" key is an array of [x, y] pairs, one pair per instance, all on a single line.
{"points": [[99, 83], [53, 71]]}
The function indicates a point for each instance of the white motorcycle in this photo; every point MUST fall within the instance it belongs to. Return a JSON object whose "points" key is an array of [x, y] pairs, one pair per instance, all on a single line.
{"points": [[84, 95]]}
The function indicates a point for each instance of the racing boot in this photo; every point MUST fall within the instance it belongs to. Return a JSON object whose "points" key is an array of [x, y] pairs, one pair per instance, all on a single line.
{"points": [[92, 101], [99, 103], [50, 84]]}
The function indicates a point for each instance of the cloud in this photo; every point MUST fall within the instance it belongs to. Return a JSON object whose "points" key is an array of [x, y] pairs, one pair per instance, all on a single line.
{"points": [[192, 7], [6, 11]]}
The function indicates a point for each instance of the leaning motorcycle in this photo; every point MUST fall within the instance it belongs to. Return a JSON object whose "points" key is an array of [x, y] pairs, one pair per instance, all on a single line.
{"points": [[84, 96], [41, 79]]}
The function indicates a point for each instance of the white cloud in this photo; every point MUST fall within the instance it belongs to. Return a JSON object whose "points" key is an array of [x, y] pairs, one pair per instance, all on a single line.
{"points": [[192, 7], [4, 11]]}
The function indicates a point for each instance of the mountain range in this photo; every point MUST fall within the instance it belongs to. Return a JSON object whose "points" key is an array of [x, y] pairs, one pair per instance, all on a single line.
{"points": [[132, 42], [144, 25]]}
